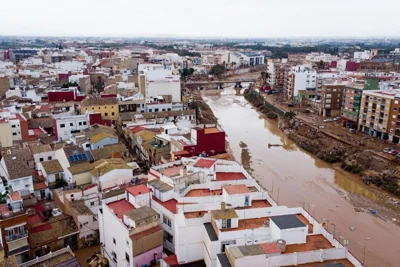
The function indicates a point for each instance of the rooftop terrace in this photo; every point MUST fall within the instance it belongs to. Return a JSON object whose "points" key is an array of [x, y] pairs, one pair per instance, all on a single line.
{"points": [[313, 242], [227, 176], [119, 207]]}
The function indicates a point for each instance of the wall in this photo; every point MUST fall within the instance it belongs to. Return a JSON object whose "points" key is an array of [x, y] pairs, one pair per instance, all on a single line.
{"points": [[82, 178], [115, 177], [104, 142], [173, 88], [111, 111], [6, 135], [150, 241], [71, 123], [148, 256], [24, 183], [45, 156]]}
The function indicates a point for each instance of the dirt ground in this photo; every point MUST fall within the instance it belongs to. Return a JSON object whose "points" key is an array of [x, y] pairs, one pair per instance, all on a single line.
{"points": [[82, 255]]}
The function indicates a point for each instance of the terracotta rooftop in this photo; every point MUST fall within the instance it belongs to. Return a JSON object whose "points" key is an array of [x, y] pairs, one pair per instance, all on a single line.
{"points": [[100, 136], [40, 148], [169, 204], [172, 171], [236, 189], [227, 176], [97, 101], [104, 166], [211, 130], [119, 207], [52, 166], [81, 168], [313, 242], [107, 151], [171, 260], [15, 196], [138, 189], [345, 262], [80, 208], [203, 192], [42, 122], [17, 163], [38, 186], [248, 224], [270, 248], [140, 213], [204, 163]]}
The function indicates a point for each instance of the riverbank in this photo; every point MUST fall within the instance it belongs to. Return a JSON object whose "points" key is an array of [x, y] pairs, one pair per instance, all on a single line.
{"points": [[370, 168]]}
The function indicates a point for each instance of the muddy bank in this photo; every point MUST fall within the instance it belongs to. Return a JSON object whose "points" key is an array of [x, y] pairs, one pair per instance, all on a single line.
{"points": [[258, 102]]}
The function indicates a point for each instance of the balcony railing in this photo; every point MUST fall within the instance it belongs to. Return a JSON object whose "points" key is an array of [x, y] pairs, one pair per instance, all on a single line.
{"points": [[17, 236]]}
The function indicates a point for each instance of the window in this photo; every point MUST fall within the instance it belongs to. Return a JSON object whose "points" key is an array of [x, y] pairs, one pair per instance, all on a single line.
{"points": [[14, 133], [89, 236], [226, 223], [126, 257], [94, 219], [106, 114], [84, 123], [150, 110], [13, 126], [49, 158], [112, 113], [99, 107], [92, 203], [87, 145], [41, 159], [156, 110], [80, 123], [62, 125], [114, 241], [127, 243], [71, 124]]}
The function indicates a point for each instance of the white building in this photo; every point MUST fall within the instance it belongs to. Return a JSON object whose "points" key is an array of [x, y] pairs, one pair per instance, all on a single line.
{"points": [[317, 57], [159, 81], [65, 125], [136, 236], [214, 211], [42, 153], [70, 65], [252, 59], [362, 55], [301, 77]]}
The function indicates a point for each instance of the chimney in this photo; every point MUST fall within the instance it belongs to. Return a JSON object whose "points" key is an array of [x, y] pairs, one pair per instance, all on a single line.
{"points": [[223, 205]]}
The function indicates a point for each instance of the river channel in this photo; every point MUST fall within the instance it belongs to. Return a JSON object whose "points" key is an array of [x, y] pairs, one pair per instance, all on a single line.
{"points": [[296, 178]]}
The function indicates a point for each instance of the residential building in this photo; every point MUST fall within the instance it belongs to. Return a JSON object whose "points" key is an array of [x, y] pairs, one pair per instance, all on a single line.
{"points": [[65, 95], [136, 238], [75, 164], [252, 59], [6, 137], [331, 99], [17, 166], [14, 232], [155, 81], [300, 78], [61, 257], [375, 111], [317, 57], [362, 55], [325, 77], [109, 151], [66, 125], [4, 85], [278, 70], [41, 153], [108, 107], [394, 118], [211, 207], [52, 172], [352, 100]]}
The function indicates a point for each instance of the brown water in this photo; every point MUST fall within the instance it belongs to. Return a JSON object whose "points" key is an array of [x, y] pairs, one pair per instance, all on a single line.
{"points": [[293, 176]]}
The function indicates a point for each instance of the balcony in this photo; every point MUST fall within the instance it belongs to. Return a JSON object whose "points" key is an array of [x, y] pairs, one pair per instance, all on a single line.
{"points": [[16, 237]]}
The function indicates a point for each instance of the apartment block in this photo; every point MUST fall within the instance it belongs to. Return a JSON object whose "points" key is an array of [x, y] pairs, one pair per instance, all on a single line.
{"points": [[300, 78], [375, 110], [331, 99]]}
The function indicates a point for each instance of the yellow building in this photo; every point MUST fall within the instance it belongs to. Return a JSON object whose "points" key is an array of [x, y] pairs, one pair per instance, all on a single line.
{"points": [[374, 116], [108, 106]]}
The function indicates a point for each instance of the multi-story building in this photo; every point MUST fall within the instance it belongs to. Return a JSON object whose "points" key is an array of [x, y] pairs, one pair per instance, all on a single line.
{"points": [[65, 125], [375, 111], [155, 80], [277, 70], [394, 118], [108, 106], [352, 100], [300, 78], [317, 57], [4, 85], [18, 123], [6, 138], [324, 77], [331, 99], [362, 55], [136, 238], [252, 59], [215, 213]]}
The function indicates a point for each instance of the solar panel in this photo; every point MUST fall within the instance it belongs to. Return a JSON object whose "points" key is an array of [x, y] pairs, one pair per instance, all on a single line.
{"points": [[71, 158], [80, 157], [84, 156], [76, 157]]}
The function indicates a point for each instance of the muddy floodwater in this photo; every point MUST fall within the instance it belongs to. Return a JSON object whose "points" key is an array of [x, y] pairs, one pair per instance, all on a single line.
{"points": [[296, 178]]}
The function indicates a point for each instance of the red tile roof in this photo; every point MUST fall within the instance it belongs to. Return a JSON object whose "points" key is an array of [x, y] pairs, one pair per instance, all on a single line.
{"points": [[171, 260], [270, 248], [169, 204], [41, 228], [15, 196], [120, 207], [181, 153], [88, 187], [138, 189], [204, 163], [44, 108], [236, 189], [227, 176], [146, 232], [136, 129], [39, 186]]}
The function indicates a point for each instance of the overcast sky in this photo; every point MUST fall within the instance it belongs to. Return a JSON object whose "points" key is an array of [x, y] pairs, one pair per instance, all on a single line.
{"points": [[203, 18]]}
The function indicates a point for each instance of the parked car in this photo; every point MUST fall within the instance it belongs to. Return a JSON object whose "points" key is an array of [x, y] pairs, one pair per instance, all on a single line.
{"points": [[398, 155], [328, 120], [336, 119], [386, 150], [394, 152], [352, 131], [390, 151]]}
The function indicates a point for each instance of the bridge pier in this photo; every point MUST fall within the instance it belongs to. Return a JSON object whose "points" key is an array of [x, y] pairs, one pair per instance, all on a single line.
{"points": [[238, 85], [219, 86]]}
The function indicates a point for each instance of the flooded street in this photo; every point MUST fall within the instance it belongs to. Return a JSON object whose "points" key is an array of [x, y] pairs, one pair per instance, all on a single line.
{"points": [[295, 178]]}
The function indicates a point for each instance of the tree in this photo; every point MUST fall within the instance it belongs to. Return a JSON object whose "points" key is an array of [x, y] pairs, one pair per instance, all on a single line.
{"points": [[99, 85], [217, 70], [264, 76], [321, 65], [186, 72]]}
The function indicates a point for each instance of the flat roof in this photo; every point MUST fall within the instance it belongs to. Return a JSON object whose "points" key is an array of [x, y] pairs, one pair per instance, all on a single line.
{"points": [[138, 189], [227, 176], [119, 207], [236, 189], [204, 163], [287, 221], [210, 231], [224, 214], [160, 185]]}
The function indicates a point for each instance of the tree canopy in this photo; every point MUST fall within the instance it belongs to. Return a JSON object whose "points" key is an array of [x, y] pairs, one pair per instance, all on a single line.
{"points": [[217, 70]]}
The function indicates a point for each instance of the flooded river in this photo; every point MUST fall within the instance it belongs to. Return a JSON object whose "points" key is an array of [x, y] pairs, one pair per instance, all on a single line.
{"points": [[296, 178]]}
